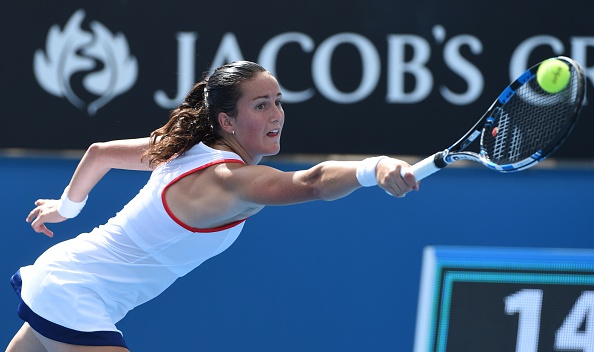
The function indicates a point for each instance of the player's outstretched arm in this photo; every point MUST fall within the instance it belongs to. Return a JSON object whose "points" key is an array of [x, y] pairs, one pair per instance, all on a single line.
{"points": [[328, 180]]}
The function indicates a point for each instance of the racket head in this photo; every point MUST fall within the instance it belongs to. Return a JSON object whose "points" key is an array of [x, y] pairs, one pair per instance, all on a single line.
{"points": [[526, 124]]}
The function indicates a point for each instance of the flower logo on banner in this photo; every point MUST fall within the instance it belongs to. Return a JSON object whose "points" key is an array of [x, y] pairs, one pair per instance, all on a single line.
{"points": [[101, 58]]}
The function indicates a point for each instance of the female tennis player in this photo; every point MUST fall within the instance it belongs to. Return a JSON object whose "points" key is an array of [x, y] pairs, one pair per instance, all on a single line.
{"points": [[205, 183]]}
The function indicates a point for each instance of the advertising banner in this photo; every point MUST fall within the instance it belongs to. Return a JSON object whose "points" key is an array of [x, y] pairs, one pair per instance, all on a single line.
{"points": [[358, 77]]}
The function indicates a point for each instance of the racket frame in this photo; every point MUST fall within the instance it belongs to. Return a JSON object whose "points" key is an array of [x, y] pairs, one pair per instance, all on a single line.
{"points": [[457, 152]]}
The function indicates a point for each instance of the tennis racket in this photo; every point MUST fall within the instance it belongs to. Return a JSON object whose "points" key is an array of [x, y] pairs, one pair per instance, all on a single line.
{"points": [[522, 127]]}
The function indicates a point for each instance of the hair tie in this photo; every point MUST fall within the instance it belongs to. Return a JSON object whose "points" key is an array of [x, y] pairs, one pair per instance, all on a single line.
{"points": [[205, 96]]}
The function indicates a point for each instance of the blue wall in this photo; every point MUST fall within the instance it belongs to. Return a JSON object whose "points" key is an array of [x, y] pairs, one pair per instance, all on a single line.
{"points": [[337, 276]]}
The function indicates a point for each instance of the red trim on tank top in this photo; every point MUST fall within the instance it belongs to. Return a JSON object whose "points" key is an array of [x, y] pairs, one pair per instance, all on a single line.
{"points": [[181, 223]]}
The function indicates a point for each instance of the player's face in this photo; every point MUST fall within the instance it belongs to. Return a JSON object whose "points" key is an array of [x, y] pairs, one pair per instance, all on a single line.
{"points": [[260, 116]]}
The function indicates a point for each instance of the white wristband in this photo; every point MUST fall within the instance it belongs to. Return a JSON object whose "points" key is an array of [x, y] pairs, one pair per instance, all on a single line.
{"points": [[366, 171], [68, 208]]}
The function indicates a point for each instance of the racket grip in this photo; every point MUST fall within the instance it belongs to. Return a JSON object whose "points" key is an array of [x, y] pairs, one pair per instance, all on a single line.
{"points": [[423, 168]]}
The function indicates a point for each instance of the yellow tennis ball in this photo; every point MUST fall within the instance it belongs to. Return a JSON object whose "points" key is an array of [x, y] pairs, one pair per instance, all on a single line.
{"points": [[553, 75]]}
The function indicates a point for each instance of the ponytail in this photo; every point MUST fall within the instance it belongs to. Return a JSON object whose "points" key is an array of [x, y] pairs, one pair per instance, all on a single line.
{"points": [[188, 125]]}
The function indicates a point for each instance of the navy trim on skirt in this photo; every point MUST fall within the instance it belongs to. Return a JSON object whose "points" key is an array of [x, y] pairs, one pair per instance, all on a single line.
{"points": [[60, 333]]}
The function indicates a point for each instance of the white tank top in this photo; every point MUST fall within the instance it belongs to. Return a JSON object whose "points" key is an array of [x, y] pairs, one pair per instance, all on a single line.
{"points": [[133, 257]]}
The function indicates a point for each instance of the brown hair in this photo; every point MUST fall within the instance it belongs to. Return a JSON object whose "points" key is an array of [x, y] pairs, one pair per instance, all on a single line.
{"points": [[196, 118]]}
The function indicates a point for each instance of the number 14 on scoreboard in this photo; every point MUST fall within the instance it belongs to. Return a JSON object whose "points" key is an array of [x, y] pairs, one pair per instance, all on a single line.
{"points": [[576, 332], [506, 299]]}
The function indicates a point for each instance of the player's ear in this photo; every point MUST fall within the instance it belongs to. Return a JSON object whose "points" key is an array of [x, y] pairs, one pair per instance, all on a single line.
{"points": [[226, 122]]}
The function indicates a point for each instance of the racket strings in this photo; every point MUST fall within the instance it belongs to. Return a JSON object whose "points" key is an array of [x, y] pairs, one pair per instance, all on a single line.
{"points": [[500, 142], [531, 122]]}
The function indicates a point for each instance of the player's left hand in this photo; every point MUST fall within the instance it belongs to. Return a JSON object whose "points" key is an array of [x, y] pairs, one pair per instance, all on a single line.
{"points": [[46, 211]]}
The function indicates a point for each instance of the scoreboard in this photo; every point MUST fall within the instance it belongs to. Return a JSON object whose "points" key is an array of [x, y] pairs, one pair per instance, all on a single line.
{"points": [[505, 299]]}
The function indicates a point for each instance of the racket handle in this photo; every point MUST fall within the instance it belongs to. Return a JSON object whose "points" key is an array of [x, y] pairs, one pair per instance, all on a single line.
{"points": [[423, 168]]}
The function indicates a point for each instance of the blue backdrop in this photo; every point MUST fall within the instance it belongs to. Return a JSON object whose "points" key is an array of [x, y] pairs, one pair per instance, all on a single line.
{"points": [[336, 276]]}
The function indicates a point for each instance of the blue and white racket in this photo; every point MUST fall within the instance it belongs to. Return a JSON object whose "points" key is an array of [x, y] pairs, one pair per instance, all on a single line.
{"points": [[522, 127]]}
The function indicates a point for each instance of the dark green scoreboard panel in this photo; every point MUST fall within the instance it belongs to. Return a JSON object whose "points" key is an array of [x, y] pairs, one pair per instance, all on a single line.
{"points": [[506, 299]]}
